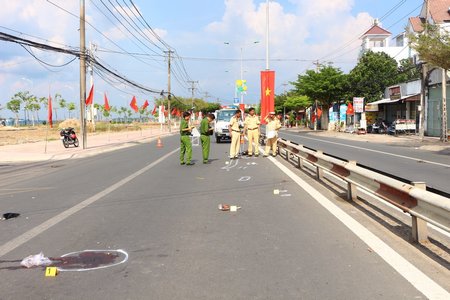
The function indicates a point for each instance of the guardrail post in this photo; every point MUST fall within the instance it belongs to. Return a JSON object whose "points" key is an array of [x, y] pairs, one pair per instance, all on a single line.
{"points": [[352, 193], [419, 226], [287, 155], [300, 163], [319, 171]]}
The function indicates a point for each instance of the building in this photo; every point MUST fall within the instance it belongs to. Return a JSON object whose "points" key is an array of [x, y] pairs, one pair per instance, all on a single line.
{"points": [[438, 14], [378, 39]]}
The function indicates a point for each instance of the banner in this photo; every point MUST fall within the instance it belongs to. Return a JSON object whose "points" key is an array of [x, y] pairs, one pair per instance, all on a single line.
{"points": [[161, 116], [358, 105], [267, 93]]}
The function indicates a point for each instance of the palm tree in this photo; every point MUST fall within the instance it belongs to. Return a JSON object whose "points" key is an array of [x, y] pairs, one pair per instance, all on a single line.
{"points": [[61, 102], [70, 107]]}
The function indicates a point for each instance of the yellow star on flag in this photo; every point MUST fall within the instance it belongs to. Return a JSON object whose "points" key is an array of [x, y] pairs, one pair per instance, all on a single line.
{"points": [[268, 91]]}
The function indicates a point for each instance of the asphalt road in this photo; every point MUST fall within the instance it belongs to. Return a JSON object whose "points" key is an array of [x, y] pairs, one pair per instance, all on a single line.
{"points": [[405, 162], [179, 245]]}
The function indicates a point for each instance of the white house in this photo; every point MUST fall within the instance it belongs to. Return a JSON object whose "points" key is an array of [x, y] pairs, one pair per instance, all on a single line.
{"points": [[378, 39]]}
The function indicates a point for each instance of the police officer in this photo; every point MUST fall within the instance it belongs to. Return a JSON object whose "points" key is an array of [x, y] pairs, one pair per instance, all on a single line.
{"points": [[251, 127], [205, 132], [185, 139], [273, 124], [235, 133]]}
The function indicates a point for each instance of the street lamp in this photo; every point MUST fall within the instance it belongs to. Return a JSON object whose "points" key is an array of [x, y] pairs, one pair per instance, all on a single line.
{"points": [[241, 69]]}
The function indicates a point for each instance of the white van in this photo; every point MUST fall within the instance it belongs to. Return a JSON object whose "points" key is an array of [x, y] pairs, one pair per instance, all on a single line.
{"points": [[221, 123]]}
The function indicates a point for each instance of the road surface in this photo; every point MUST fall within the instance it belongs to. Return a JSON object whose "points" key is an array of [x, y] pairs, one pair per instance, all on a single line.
{"points": [[178, 244]]}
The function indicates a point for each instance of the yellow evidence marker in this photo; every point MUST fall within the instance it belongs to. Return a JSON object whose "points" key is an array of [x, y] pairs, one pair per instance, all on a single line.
{"points": [[51, 271]]}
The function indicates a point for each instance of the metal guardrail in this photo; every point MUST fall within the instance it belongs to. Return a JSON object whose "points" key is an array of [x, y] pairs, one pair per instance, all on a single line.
{"points": [[423, 206]]}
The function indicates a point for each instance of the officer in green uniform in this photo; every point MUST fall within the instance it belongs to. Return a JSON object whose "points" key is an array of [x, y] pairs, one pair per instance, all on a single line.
{"points": [[185, 139], [205, 132]]}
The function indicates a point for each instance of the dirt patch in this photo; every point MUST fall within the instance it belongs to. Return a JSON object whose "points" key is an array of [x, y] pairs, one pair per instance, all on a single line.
{"points": [[21, 135]]}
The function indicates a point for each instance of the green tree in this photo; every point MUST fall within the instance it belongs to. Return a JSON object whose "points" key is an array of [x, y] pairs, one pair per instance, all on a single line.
{"points": [[296, 102], [100, 110], [33, 106], [433, 47], [14, 106], [373, 73], [62, 103], [57, 99], [123, 112], [326, 86], [407, 71], [16, 102], [71, 107]]}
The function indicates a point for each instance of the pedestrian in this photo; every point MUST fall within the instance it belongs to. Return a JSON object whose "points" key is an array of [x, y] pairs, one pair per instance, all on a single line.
{"points": [[272, 126], [185, 139], [251, 127], [205, 132], [235, 132]]}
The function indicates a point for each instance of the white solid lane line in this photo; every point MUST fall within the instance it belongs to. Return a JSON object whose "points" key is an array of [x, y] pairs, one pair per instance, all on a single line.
{"points": [[370, 150], [417, 278], [25, 237]]}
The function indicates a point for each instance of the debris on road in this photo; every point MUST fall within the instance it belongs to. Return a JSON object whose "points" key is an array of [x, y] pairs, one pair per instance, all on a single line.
{"points": [[7, 216], [35, 261], [226, 207]]}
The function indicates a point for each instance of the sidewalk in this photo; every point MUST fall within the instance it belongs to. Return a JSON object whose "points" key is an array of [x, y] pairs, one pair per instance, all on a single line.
{"points": [[96, 143], [413, 141]]}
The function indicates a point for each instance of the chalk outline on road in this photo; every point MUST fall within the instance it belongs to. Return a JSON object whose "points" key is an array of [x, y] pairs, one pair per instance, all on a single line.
{"points": [[28, 235], [407, 270], [125, 259], [371, 150]]}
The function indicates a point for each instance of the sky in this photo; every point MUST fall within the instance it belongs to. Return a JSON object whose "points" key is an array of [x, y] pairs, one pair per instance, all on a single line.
{"points": [[213, 40]]}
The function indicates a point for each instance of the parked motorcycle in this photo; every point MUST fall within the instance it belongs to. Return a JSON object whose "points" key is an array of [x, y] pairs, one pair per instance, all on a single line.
{"points": [[68, 137], [379, 127]]}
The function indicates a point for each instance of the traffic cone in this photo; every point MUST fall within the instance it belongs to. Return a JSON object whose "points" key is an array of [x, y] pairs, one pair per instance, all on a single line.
{"points": [[159, 144]]}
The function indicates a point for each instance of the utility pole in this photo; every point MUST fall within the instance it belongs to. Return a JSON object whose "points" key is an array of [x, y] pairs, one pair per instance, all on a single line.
{"points": [[193, 88], [169, 94], [424, 83], [317, 63], [83, 73], [92, 49], [284, 105], [444, 133]]}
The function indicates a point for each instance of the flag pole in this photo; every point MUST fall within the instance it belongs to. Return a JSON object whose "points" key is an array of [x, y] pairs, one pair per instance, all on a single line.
{"points": [[48, 123], [267, 35]]}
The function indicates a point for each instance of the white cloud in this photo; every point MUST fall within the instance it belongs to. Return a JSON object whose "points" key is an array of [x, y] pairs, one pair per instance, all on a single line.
{"points": [[313, 30]]}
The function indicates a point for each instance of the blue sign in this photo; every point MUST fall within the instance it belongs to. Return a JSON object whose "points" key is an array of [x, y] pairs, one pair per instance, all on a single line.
{"points": [[236, 100]]}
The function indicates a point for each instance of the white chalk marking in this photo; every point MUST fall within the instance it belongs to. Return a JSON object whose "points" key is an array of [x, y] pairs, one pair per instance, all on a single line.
{"points": [[25, 237], [371, 150], [245, 178], [125, 259], [411, 273], [285, 195]]}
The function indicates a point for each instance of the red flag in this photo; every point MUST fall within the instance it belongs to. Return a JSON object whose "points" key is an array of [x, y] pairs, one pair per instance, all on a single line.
{"points": [[267, 93], [90, 98], [319, 113], [174, 111], [154, 110], [350, 110], [145, 105], [133, 104], [106, 106], [50, 113]]}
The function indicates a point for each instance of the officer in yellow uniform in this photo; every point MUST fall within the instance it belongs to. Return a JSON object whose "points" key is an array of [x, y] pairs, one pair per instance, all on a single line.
{"points": [[272, 126], [251, 127], [235, 133]]}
